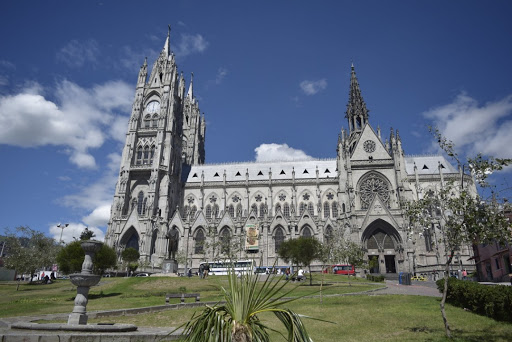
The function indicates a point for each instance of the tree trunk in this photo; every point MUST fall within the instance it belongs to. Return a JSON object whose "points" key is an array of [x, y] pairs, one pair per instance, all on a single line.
{"points": [[240, 334], [445, 293], [310, 276]]}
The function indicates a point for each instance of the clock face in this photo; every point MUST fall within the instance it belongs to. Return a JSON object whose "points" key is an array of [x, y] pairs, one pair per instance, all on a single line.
{"points": [[153, 107], [369, 146]]}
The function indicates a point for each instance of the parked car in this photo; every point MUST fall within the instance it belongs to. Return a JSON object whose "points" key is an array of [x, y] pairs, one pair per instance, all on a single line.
{"points": [[419, 278], [142, 275]]}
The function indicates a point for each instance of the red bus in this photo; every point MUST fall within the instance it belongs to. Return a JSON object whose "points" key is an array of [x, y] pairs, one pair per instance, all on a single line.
{"points": [[341, 269]]}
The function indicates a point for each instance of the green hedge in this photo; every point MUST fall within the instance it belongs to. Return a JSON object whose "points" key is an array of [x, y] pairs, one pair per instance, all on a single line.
{"points": [[378, 279], [493, 301]]}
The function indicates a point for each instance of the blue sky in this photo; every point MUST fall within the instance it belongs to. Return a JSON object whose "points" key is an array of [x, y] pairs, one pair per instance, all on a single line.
{"points": [[265, 72]]}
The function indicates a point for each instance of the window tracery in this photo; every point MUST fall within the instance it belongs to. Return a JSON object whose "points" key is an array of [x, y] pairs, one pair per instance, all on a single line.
{"points": [[371, 186]]}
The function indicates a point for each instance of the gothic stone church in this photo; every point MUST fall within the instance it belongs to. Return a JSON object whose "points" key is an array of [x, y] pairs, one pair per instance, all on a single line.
{"points": [[168, 203]]}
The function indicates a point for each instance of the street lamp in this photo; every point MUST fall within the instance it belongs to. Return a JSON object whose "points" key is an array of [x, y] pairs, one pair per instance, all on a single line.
{"points": [[62, 226]]}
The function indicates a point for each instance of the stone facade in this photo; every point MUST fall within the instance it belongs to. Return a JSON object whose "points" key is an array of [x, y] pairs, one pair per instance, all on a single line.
{"points": [[169, 205]]}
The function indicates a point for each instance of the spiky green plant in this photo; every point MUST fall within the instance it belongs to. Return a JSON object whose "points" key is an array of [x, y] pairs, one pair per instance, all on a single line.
{"points": [[237, 319]]}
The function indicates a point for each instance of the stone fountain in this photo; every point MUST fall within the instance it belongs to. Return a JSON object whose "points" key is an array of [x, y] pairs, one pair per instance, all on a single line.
{"points": [[84, 280]]}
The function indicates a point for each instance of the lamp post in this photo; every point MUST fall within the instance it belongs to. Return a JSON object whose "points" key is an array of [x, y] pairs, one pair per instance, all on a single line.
{"points": [[62, 226]]}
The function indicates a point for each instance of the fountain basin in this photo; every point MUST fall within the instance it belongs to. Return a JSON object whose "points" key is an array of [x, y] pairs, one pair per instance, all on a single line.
{"points": [[81, 279]]}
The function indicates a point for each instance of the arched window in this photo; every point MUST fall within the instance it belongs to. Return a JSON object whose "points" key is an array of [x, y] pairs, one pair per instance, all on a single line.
{"points": [[334, 209], [373, 184], [278, 238], [186, 209], [306, 231], [343, 208], [231, 210], [152, 154], [155, 121], [225, 241], [199, 242], [215, 211], [311, 208], [208, 212], [327, 210], [262, 210], [146, 156], [254, 208], [328, 234], [302, 208], [147, 121], [140, 202], [286, 210], [139, 155], [239, 210]]}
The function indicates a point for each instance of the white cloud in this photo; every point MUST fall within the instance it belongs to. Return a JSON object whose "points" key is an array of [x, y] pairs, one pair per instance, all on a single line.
{"points": [[80, 119], [476, 128], [4, 80], [313, 87], [99, 216], [73, 231], [279, 152], [221, 74], [75, 54], [189, 44]]}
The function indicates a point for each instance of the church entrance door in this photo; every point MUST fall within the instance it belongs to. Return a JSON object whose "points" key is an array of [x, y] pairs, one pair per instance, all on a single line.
{"points": [[390, 263]]}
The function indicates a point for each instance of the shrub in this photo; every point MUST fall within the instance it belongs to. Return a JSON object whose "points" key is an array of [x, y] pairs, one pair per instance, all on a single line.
{"points": [[378, 279], [494, 301]]}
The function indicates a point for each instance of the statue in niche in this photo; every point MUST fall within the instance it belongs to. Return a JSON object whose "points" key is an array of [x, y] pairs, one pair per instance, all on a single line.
{"points": [[172, 247]]}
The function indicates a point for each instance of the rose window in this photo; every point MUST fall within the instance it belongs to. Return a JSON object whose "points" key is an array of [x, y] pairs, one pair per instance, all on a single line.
{"points": [[371, 186]]}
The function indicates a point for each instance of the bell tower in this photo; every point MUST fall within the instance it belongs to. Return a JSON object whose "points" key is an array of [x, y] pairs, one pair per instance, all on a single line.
{"points": [[149, 186], [357, 113]]}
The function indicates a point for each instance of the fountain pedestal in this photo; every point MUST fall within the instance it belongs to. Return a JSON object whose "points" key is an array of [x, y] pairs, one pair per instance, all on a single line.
{"points": [[84, 280]]}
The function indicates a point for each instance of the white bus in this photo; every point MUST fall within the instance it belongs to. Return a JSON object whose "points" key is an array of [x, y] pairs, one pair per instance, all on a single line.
{"points": [[223, 267]]}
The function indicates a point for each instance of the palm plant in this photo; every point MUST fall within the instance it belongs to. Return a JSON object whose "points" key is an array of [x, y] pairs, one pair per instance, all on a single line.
{"points": [[237, 319]]}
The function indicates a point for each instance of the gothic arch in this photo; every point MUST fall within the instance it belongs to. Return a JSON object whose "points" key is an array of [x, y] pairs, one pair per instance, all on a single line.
{"points": [[130, 238], [199, 240], [381, 226], [382, 241], [278, 234], [306, 231]]}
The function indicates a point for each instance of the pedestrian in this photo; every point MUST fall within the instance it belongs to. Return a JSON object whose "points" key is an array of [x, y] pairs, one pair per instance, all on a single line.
{"points": [[300, 275], [201, 270], [190, 273], [287, 273], [464, 274], [206, 270]]}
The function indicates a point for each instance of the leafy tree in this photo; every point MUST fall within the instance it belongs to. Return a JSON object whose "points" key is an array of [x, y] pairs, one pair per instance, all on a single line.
{"points": [[29, 250], [301, 251], [238, 320], [130, 255], [462, 216], [87, 234], [71, 257]]}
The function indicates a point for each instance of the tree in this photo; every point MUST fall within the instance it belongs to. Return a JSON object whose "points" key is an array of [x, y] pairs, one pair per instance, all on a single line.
{"points": [[30, 250], [71, 257], [238, 320], [462, 215], [130, 256], [301, 251]]}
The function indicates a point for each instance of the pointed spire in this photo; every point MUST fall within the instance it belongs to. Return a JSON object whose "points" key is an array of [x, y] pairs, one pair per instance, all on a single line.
{"points": [[167, 45], [190, 93], [357, 113]]}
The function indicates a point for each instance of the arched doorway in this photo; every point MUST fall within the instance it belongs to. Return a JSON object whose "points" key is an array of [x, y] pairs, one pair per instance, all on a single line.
{"points": [[381, 240]]}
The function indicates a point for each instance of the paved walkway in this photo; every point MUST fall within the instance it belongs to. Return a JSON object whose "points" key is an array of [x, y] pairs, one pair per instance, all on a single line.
{"points": [[424, 288]]}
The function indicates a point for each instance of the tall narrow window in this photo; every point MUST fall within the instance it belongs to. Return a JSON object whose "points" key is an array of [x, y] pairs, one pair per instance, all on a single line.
{"points": [[254, 208], [278, 207], [152, 154], [306, 231], [239, 210], [262, 210], [311, 208], [140, 202], [225, 241], [215, 211], [286, 210], [147, 121], [231, 210], [302, 208], [139, 155], [186, 211], [155, 121], [334, 209], [208, 212], [193, 211], [199, 242], [343, 208], [327, 210], [144, 206], [146, 155], [278, 239], [328, 234]]}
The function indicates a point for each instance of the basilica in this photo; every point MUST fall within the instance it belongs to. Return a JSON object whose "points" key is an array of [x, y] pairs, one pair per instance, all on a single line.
{"points": [[178, 211]]}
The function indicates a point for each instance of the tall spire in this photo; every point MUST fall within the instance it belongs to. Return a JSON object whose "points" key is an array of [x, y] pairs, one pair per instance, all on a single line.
{"points": [[190, 93], [357, 113], [167, 45]]}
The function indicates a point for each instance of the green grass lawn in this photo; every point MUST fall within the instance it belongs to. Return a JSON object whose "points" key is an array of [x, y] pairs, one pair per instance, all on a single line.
{"points": [[356, 318]]}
